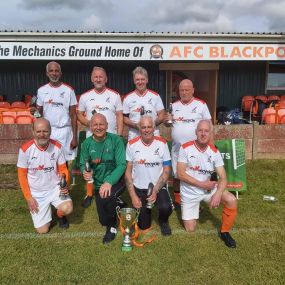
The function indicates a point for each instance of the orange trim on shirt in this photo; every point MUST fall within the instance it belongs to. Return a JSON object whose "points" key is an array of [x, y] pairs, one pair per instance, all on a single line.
{"points": [[26, 145], [160, 139], [185, 145], [56, 143], [212, 147], [134, 140], [23, 180]]}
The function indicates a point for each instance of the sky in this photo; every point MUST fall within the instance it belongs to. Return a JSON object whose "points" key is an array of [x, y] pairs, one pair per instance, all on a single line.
{"points": [[143, 15]]}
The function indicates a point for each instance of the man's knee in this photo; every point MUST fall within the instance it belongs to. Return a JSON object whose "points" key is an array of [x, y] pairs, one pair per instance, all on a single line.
{"points": [[229, 200], [66, 207], [190, 225], [44, 229]]}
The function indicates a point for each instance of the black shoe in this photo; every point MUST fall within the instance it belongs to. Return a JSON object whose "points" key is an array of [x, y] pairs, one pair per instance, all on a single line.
{"points": [[87, 201], [228, 240], [63, 222], [109, 235], [165, 229], [121, 203]]}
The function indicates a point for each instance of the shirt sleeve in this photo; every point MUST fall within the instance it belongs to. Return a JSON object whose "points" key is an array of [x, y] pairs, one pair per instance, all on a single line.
{"points": [[22, 159], [166, 155], [206, 113], [81, 104], [126, 109], [129, 156], [158, 104], [61, 159], [218, 160], [39, 98], [118, 103], [73, 100], [182, 156]]}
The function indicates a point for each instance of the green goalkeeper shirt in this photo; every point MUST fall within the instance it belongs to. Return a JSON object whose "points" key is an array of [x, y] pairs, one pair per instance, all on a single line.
{"points": [[107, 159]]}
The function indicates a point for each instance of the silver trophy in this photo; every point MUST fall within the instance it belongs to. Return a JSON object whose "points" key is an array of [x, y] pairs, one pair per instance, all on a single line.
{"points": [[149, 205], [170, 122], [88, 169], [127, 217], [33, 103], [62, 185]]}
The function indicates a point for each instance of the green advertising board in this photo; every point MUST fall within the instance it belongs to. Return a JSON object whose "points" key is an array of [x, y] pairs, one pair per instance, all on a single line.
{"points": [[233, 153]]}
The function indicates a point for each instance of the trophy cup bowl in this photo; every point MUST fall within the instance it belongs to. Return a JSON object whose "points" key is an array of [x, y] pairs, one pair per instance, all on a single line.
{"points": [[127, 217]]}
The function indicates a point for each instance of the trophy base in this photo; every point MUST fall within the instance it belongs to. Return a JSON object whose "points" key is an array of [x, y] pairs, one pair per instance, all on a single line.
{"points": [[127, 248]]}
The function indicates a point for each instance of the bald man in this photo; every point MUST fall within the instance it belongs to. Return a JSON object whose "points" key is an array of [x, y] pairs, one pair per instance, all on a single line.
{"points": [[56, 102], [186, 114], [106, 154], [41, 163]]}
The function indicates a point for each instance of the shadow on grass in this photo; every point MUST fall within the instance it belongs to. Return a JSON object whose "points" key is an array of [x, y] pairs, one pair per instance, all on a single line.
{"points": [[206, 215]]}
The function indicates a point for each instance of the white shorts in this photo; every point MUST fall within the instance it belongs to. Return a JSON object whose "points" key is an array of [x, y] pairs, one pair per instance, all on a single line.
{"points": [[190, 205], [64, 136], [45, 201]]}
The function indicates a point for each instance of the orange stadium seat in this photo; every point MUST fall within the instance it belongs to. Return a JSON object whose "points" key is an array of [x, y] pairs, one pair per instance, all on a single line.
{"points": [[18, 105], [27, 99], [24, 119], [282, 98], [263, 98], [5, 105], [269, 116], [9, 117], [246, 102], [273, 98], [281, 116], [281, 104]]}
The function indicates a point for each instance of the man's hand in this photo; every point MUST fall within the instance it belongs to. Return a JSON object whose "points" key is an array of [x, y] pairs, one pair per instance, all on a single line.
{"points": [[87, 175], [209, 185], [136, 201], [166, 118], [33, 206], [33, 110], [215, 200], [105, 190], [73, 143], [64, 190], [153, 196]]}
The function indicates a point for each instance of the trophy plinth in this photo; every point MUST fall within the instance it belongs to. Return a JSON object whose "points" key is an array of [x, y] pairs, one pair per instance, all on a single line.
{"points": [[127, 217]]}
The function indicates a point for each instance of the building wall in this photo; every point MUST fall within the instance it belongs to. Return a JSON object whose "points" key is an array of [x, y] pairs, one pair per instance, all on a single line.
{"points": [[24, 77], [237, 79], [261, 141]]}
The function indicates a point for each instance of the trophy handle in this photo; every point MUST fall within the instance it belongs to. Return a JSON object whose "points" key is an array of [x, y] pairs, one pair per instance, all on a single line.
{"points": [[118, 211]]}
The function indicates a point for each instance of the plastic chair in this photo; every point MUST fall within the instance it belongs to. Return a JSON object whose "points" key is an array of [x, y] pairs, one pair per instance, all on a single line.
{"points": [[18, 105], [282, 98], [23, 119], [269, 116], [246, 102], [281, 116], [263, 98], [27, 99], [273, 98], [5, 105], [8, 117]]}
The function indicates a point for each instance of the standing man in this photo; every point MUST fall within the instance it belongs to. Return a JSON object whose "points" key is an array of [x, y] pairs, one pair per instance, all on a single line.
{"points": [[197, 160], [56, 102], [148, 161], [101, 100], [141, 101], [40, 164], [106, 154], [186, 114]]}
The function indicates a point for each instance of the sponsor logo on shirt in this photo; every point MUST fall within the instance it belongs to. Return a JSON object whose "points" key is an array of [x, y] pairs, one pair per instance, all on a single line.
{"points": [[52, 157], [156, 152], [149, 101], [98, 107], [147, 164], [108, 100], [182, 120], [43, 168], [61, 95], [200, 171], [194, 110], [55, 104]]}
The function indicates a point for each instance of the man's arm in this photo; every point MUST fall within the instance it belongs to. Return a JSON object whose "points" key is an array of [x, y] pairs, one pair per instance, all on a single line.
{"points": [[120, 123], [82, 119], [183, 176], [222, 184], [73, 118], [129, 123], [24, 184], [160, 117], [130, 186]]}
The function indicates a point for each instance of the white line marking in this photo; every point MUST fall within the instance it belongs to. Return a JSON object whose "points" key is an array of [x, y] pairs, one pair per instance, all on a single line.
{"points": [[71, 235]]}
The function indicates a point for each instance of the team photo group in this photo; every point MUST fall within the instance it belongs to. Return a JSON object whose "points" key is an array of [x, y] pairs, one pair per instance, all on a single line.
{"points": [[143, 166]]}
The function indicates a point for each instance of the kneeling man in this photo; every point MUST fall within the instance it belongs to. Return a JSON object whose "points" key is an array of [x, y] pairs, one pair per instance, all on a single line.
{"points": [[197, 160], [41, 163]]}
